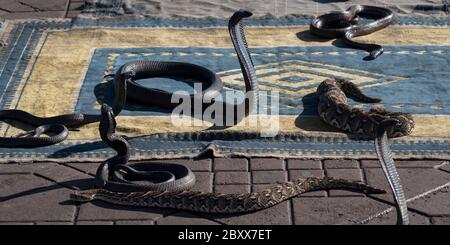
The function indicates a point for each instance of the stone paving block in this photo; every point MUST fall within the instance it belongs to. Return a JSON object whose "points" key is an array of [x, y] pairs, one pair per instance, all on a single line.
{"points": [[33, 15], [230, 189], [15, 6], [348, 174], [370, 164], [100, 211], [276, 215], [268, 177], [303, 164], [440, 220], [329, 164], [295, 174], [266, 164], [39, 5], [232, 178], [64, 175], [445, 167], [391, 219], [53, 223], [134, 222], [403, 163], [230, 164], [415, 181], [434, 204], [16, 223], [260, 187], [334, 210], [201, 165], [86, 167], [95, 223], [184, 218], [203, 182], [31, 198]]}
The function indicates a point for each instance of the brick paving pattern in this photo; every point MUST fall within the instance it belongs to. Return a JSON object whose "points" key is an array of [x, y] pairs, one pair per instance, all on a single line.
{"points": [[38, 193]]}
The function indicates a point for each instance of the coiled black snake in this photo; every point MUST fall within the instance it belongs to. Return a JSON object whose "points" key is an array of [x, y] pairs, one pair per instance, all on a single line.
{"points": [[126, 87], [376, 123], [342, 25]]}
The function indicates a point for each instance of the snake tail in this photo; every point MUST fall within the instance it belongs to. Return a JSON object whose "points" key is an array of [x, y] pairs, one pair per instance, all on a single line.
{"points": [[352, 91]]}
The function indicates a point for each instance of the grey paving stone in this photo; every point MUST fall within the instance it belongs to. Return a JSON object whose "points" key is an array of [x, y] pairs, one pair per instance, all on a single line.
{"points": [[445, 167], [86, 167], [184, 218], [277, 215], [334, 210], [391, 219], [268, 177], [16, 223], [402, 163], [100, 211], [434, 204], [230, 164], [230, 189], [266, 164], [260, 187], [295, 174], [415, 181], [95, 223], [440, 220], [15, 6], [303, 164], [40, 5], [64, 175], [201, 165], [348, 174], [54, 223], [134, 222], [30, 198], [33, 15], [329, 164], [370, 164], [232, 178], [203, 182]]}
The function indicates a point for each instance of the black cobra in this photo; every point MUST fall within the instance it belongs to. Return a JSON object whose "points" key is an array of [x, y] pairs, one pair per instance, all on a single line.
{"points": [[115, 174], [387, 162], [342, 25], [125, 86]]}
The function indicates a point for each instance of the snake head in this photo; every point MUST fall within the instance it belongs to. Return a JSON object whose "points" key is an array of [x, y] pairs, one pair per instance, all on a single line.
{"points": [[83, 196], [375, 53], [238, 15], [401, 125]]}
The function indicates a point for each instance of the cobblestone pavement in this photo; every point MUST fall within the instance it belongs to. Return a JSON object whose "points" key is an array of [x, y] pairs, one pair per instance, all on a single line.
{"points": [[38, 193]]}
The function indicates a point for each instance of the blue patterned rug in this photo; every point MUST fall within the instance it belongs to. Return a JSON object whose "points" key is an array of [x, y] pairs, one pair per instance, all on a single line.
{"points": [[54, 67]]}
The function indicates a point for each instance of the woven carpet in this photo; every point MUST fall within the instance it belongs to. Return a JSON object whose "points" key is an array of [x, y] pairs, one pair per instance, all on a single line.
{"points": [[51, 67]]}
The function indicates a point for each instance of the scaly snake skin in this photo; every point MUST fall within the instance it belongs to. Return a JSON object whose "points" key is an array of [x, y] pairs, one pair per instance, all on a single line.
{"points": [[344, 25], [334, 110], [377, 123], [113, 180], [221, 203]]}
